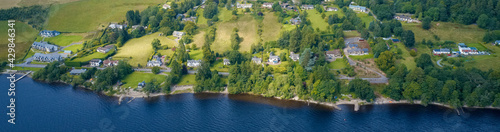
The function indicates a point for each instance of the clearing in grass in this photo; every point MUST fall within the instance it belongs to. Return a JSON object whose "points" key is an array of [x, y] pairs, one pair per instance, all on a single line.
{"points": [[247, 27], [140, 49], [316, 21], [271, 27], [339, 63]]}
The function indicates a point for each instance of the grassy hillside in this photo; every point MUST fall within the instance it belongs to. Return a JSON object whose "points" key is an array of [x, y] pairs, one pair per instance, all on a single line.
{"points": [[25, 35], [247, 30], [447, 31], [88, 15], [61, 40], [271, 28], [140, 49]]}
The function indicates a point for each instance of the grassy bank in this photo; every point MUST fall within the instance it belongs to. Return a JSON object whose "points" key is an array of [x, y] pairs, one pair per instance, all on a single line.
{"points": [[247, 27], [140, 49], [25, 35], [458, 33]]}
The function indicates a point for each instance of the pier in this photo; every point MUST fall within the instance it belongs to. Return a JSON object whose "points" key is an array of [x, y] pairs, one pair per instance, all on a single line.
{"points": [[22, 76]]}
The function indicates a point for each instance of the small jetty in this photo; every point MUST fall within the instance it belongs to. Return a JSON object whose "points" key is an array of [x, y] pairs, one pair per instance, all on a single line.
{"points": [[23, 76], [356, 106]]}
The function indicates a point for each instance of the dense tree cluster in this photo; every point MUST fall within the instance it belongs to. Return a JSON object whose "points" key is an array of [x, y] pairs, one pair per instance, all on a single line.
{"points": [[109, 76], [51, 73], [207, 80], [33, 15]]}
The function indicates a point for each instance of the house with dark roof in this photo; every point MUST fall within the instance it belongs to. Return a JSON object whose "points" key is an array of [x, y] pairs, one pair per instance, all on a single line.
{"points": [[48, 33], [445, 51], [44, 46], [108, 62], [46, 57], [256, 60], [77, 71]]}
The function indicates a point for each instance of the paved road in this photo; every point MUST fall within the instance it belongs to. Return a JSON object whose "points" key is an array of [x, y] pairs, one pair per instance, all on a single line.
{"points": [[439, 63]]}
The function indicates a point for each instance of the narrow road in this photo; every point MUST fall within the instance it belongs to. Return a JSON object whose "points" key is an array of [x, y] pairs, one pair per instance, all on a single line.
{"points": [[439, 63]]}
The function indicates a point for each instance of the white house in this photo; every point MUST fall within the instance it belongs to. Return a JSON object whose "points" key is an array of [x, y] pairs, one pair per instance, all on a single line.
{"points": [[178, 34], [294, 56], [267, 5], [274, 59], [331, 9], [441, 51], [47, 33], [497, 42], [307, 7], [95, 62], [165, 6], [359, 8], [116, 25], [256, 60], [193, 63], [226, 62], [44, 46], [107, 63], [77, 71], [465, 50], [238, 5], [105, 49], [406, 18]]}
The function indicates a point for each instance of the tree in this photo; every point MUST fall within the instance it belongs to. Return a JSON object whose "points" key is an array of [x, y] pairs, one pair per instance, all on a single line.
{"points": [[483, 21], [156, 44], [385, 60], [362, 88], [424, 61], [307, 59], [408, 38], [379, 48], [235, 40], [190, 28], [426, 23], [155, 70], [210, 10], [412, 91]]}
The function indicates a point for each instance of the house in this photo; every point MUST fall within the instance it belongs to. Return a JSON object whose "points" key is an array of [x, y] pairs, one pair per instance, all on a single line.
{"points": [[333, 54], [441, 51], [46, 57], [284, 5], [226, 62], [95, 63], [274, 59], [331, 9], [267, 5], [108, 62], [256, 60], [406, 18], [358, 8], [497, 42], [352, 46], [153, 63], [105, 49], [77, 71], [307, 7], [134, 27], [192, 19], [193, 63], [141, 85], [465, 50], [44, 46], [68, 52], [294, 56], [238, 5], [295, 21], [165, 6], [290, 8], [117, 26], [357, 51], [47, 33], [178, 34]]}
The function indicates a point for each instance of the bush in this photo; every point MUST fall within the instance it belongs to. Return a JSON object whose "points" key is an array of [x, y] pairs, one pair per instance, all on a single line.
{"points": [[413, 53]]}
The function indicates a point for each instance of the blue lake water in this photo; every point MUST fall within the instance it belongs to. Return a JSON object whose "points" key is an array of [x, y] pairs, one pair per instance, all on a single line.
{"points": [[59, 107]]}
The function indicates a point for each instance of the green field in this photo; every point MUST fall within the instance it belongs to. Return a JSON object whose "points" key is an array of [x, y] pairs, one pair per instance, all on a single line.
{"points": [[350, 34], [271, 28], [457, 33], [219, 66], [247, 27], [409, 61], [316, 20], [199, 39], [361, 57], [201, 21], [187, 80], [479, 47], [74, 48], [90, 15], [366, 18], [140, 49], [339, 63], [26, 68], [486, 62], [225, 15], [95, 55], [25, 35], [61, 40], [136, 77], [196, 54]]}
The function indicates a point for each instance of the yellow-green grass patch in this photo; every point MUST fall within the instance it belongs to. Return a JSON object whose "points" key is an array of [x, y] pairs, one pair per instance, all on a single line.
{"points": [[361, 57], [136, 77], [271, 27], [316, 21], [74, 48], [339, 63], [9, 3], [225, 15], [25, 35], [26, 68], [201, 21], [352, 33], [42, 2], [458, 33], [196, 54], [479, 47], [408, 60], [140, 49], [219, 66], [199, 39], [247, 27], [95, 55], [89, 15], [187, 80], [365, 18], [61, 40]]}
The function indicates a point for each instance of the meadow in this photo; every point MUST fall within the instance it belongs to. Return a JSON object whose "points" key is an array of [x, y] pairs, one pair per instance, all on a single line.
{"points": [[136, 77], [140, 49], [25, 35], [271, 27], [61, 40], [457, 33], [187, 80], [95, 55], [74, 48], [247, 27], [339, 63]]}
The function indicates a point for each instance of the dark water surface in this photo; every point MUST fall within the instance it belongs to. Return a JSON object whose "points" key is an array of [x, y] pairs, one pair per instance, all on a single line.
{"points": [[59, 107]]}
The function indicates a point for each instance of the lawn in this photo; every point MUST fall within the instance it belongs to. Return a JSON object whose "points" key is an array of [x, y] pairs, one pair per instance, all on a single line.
{"points": [[225, 15], [199, 39], [26, 68], [479, 47], [352, 33], [201, 21], [136, 77], [187, 80], [95, 55], [365, 18], [271, 27], [247, 27], [486, 62], [408, 60], [90, 15], [361, 57], [140, 49], [196, 54], [316, 20], [219, 66], [25, 35], [61, 40], [339, 63], [74, 48], [458, 33]]}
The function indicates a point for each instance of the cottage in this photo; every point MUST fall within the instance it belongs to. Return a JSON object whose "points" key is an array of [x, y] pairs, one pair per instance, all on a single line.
{"points": [[406, 18], [465, 50], [256, 60], [77, 71], [47, 33], [267, 5], [274, 59], [331, 9], [333, 54], [46, 57], [192, 19], [44, 46], [238, 5], [358, 8], [178, 34], [441, 51], [307, 7], [105, 49], [294, 56], [165, 6], [295, 21], [108, 62], [193, 63], [134, 27], [117, 26], [68, 52], [141, 84], [355, 51], [226, 62]]}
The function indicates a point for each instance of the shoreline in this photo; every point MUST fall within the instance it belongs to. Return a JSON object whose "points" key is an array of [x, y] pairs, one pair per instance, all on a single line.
{"points": [[378, 100]]}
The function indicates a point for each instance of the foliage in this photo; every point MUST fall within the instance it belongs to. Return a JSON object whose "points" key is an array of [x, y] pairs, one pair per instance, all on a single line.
{"points": [[33, 15], [385, 60]]}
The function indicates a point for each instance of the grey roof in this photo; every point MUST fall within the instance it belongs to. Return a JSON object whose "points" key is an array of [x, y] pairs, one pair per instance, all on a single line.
{"points": [[274, 57], [442, 50], [365, 50], [293, 55], [77, 71], [352, 45], [355, 6], [47, 57], [226, 60], [256, 59], [193, 61], [44, 45]]}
